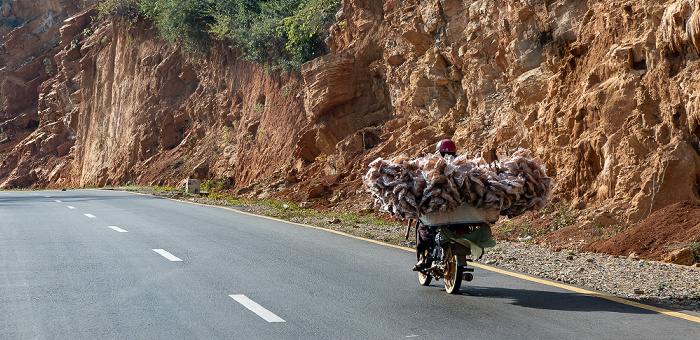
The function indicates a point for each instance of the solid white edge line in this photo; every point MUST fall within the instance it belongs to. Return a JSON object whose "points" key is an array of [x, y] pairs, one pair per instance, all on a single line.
{"points": [[118, 229], [167, 255], [90, 215], [256, 308]]}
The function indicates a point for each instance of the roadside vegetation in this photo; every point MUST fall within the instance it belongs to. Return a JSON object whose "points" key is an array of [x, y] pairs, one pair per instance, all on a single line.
{"points": [[279, 34], [358, 224]]}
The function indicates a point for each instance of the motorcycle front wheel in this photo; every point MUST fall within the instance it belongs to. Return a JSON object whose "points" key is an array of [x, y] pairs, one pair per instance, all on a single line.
{"points": [[424, 279], [453, 276]]}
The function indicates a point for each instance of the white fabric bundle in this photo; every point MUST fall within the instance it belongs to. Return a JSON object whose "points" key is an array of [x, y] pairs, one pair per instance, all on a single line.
{"points": [[411, 188]]}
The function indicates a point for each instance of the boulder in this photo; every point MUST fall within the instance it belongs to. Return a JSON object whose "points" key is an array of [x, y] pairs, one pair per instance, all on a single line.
{"points": [[328, 82], [683, 256], [316, 190]]}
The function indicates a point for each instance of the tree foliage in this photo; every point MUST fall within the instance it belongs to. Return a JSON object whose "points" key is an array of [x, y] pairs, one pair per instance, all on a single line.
{"points": [[302, 28], [184, 22], [126, 11], [280, 34]]}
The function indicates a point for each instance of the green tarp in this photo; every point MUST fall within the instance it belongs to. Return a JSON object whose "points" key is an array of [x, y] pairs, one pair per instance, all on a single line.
{"points": [[476, 240]]}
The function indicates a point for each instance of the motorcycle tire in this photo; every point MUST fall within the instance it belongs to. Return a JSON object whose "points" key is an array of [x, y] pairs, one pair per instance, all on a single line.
{"points": [[453, 276], [424, 279]]}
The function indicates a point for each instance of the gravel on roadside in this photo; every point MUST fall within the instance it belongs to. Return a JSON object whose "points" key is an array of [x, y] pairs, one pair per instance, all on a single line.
{"points": [[651, 281]]}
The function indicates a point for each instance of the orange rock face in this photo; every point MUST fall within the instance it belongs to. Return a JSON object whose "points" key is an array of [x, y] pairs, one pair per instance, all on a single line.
{"points": [[606, 93]]}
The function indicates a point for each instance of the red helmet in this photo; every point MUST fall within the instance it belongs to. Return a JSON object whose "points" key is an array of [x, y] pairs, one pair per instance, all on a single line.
{"points": [[446, 146]]}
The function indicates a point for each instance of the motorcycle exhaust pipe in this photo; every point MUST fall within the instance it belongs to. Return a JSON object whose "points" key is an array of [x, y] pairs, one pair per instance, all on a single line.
{"points": [[467, 277]]}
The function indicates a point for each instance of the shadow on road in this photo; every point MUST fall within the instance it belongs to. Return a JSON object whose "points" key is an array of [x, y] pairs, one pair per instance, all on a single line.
{"points": [[542, 299]]}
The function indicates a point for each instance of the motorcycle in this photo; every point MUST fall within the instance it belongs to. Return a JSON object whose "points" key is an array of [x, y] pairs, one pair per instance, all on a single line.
{"points": [[458, 238]]}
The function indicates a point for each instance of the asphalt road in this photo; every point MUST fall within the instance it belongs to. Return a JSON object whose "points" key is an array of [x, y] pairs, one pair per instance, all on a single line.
{"points": [[100, 264]]}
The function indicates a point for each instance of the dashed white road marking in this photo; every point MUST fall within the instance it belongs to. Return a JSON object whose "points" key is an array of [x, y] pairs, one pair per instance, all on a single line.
{"points": [[256, 308], [90, 215], [71, 207], [167, 255], [58, 201], [118, 229]]}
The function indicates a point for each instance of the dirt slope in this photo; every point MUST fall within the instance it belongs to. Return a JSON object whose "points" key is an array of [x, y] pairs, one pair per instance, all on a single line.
{"points": [[674, 227]]}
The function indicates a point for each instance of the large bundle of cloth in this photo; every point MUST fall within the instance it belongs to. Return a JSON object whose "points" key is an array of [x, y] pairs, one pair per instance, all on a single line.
{"points": [[413, 187]]}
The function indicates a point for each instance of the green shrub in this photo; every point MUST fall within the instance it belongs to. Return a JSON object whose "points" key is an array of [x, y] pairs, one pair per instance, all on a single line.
{"points": [[279, 34], [182, 22], [126, 11], [251, 27], [302, 27], [48, 67]]}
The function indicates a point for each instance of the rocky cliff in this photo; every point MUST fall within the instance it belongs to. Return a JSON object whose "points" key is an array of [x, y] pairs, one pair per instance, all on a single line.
{"points": [[29, 34], [124, 107], [605, 92]]}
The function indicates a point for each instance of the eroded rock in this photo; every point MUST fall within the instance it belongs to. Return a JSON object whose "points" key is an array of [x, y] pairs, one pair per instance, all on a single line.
{"points": [[684, 256]]}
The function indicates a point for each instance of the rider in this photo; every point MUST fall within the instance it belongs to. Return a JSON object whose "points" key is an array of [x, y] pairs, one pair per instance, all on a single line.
{"points": [[424, 236]]}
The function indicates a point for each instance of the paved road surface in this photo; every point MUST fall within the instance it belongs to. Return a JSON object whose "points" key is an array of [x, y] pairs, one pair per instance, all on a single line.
{"points": [[100, 264]]}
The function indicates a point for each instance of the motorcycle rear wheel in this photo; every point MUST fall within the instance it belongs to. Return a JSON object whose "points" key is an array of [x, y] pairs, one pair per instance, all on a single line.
{"points": [[424, 279], [453, 276]]}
